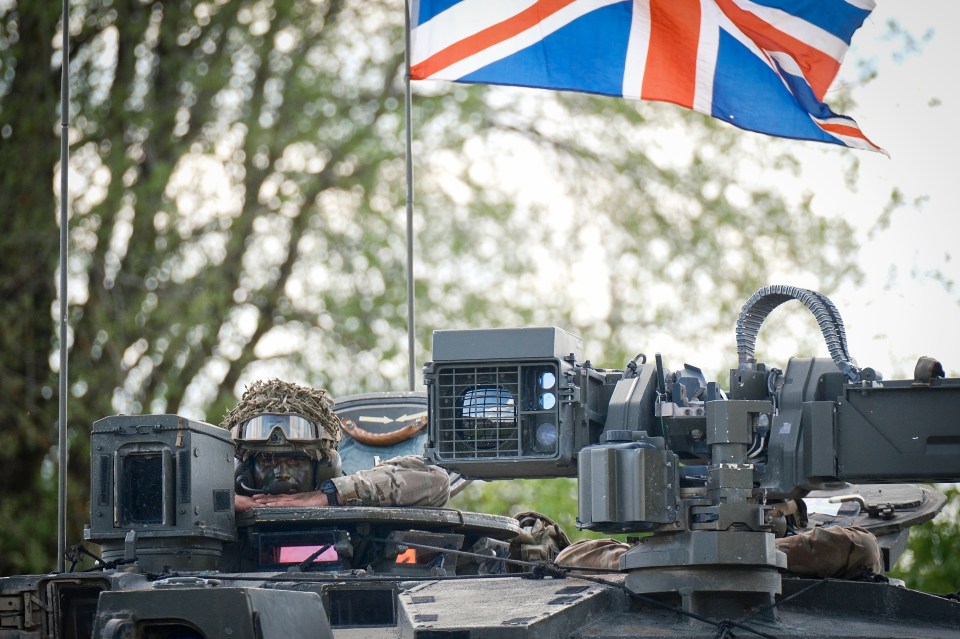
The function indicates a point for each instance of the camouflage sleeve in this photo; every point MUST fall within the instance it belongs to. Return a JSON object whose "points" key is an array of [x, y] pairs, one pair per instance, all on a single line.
{"points": [[840, 552], [593, 553], [401, 481]]}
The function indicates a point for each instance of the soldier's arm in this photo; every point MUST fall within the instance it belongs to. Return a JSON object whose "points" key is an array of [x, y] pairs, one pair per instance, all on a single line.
{"points": [[313, 498], [401, 481]]}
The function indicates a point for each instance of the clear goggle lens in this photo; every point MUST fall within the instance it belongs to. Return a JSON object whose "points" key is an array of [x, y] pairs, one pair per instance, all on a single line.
{"points": [[294, 428]]}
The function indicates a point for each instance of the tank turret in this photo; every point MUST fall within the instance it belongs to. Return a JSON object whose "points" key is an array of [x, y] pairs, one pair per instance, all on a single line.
{"points": [[706, 483]]}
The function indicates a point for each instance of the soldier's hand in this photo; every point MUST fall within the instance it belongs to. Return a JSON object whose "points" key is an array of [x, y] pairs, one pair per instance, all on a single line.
{"points": [[314, 498], [242, 503]]}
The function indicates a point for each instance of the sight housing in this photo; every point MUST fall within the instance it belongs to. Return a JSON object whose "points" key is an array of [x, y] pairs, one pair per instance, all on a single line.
{"points": [[161, 491], [512, 402]]}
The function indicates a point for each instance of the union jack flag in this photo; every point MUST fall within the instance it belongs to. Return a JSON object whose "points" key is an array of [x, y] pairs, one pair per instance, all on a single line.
{"points": [[761, 65]]}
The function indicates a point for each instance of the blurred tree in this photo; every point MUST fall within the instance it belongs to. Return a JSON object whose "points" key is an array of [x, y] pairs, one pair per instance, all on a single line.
{"points": [[237, 212], [932, 563], [556, 498]]}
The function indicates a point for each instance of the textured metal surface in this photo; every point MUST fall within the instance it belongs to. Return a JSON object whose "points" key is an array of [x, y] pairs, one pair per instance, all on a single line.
{"points": [[481, 607], [427, 518], [627, 488], [214, 610], [506, 607], [505, 343], [899, 432]]}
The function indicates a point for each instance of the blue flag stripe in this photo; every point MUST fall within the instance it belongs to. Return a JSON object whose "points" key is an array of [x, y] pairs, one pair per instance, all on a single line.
{"points": [[590, 62], [838, 17], [748, 94]]}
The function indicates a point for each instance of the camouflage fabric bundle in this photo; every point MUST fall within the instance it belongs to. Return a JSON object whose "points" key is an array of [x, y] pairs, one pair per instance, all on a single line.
{"points": [[842, 552], [601, 554], [276, 396], [541, 539]]}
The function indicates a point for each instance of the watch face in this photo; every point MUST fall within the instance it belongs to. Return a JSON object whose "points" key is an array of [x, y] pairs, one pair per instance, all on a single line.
{"points": [[277, 473]]}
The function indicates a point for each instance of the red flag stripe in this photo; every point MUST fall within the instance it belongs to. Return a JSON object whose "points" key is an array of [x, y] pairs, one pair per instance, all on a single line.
{"points": [[671, 71], [818, 68], [490, 36], [845, 130]]}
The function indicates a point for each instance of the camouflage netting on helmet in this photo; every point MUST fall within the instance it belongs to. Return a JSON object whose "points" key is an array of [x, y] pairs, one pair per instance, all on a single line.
{"points": [[276, 396]]}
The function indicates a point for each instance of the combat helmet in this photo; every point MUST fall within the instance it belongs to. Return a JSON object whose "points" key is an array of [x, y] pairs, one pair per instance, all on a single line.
{"points": [[283, 418]]}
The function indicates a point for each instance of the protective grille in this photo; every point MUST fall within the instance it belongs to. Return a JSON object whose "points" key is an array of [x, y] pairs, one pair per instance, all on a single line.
{"points": [[502, 411], [476, 412]]}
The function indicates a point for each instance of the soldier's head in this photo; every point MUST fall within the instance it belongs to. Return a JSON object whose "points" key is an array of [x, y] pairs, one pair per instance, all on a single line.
{"points": [[286, 438], [284, 453]]}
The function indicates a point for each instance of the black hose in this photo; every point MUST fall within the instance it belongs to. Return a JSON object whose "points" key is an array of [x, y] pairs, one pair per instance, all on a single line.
{"points": [[755, 311]]}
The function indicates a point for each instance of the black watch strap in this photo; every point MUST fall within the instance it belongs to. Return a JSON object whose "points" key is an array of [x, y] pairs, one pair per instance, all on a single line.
{"points": [[331, 490]]}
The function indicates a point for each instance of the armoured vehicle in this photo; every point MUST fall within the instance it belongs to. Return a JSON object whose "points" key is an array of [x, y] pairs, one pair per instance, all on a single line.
{"points": [[698, 477]]}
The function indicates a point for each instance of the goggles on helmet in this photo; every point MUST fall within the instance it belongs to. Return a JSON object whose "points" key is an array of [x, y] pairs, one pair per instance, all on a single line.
{"points": [[294, 428]]}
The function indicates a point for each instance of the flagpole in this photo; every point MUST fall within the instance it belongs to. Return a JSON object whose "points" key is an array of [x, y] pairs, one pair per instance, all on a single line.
{"points": [[62, 446], [408, 107]]}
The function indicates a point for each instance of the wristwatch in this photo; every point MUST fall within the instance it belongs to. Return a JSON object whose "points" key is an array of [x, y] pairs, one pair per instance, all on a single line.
{"points": [[331, 490]]}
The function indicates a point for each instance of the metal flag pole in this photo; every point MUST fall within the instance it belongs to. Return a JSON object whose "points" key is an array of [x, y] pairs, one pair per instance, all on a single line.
{"points": [[62, 446], [408, 122]]}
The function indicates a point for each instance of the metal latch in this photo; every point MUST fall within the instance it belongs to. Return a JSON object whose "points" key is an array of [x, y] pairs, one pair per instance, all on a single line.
{"points": [[880, 511]]}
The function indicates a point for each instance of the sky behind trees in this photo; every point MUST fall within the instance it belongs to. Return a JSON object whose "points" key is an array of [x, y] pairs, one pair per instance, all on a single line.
{"points": [[909, 298]]}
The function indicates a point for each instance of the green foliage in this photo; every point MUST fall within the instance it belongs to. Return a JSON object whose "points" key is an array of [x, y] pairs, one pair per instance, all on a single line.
{"points": [[555, 498], [932, 561]]}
